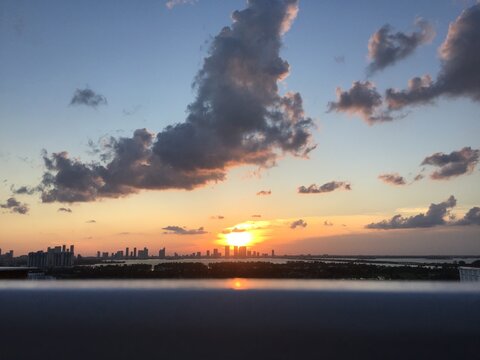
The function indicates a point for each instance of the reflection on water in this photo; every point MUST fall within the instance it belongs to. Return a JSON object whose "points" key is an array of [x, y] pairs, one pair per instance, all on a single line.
{"points": [[244, 285]]}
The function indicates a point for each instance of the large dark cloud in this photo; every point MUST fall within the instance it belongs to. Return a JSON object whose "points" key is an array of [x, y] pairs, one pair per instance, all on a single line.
{"points": [[363, 100], [472, 217], [87, 97], [179, 230], [15, 206], [327, 187], [459, 72], [298, 223], [238, 118], [434, 216], [385, 48], [454, 164], [392, 179]]}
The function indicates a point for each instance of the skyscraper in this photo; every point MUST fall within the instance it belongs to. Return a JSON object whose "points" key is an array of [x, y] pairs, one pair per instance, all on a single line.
{"points": [[227, 251], [235, 251], [126, 252], [161, 253], [134, 252], [242, 251]]}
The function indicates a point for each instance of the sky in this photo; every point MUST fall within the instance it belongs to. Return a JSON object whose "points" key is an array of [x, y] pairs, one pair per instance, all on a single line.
{"points": [[308, 127]]}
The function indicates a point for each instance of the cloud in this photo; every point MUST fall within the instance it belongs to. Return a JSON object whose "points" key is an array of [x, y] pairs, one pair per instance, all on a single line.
{"points": [[63, 209], [178, 230], [256, 216], [392, 179], [363, 100], [170, 4], [339, 59], [24, 190], [298, 223], [418, 177], [91, 221], [327, 223], [264, 192], [385, 48], [454, 164], [234, 230], [15, 206], [434, 216], [237, 118], [458, 75], [472, 217], [217, 217], [327, 187], [87, 97]]}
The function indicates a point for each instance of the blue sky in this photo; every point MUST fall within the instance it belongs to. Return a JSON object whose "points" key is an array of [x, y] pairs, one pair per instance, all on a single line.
{"points": [[143, 58]]}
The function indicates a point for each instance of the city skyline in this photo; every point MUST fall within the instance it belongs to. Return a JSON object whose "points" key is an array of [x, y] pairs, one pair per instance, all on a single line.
{"points": [[298, 126]]}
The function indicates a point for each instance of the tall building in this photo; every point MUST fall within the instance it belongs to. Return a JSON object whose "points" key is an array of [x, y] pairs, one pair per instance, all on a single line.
{"points": [[215, 253], [227, 251], [273, 253], [58, 256], [235, 251], [134, 252], [161, 253], [242, 251], [208, 253], [142, 254], [98, 254], [126, 252]]}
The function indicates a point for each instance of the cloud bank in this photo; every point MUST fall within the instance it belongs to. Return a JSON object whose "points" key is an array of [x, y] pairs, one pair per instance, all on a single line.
{"points": [[435, 216], [237, 118]]}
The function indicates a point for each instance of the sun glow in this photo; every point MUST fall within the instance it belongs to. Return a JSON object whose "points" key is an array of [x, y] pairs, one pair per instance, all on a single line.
{"points": [[243, 238]]}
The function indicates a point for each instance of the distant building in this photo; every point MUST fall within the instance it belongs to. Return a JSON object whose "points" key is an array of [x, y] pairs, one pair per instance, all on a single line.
{"points": [[208, 253], [216, 254], [199, 253], [142, 254], [273, 253], [55, 257], [7, 258], [126, 252], [227, 251], [242, 251], [134, 252], [105, 255], [469, 273], [98, 254], [161, 253], [235, 251]]}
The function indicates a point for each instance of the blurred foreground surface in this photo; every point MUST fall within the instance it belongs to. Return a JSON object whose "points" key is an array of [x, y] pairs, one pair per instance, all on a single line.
{"points": [[238, 319]]}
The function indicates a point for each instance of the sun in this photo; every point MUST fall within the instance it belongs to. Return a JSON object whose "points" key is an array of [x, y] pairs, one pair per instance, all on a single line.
{"points": [[243, 238]]}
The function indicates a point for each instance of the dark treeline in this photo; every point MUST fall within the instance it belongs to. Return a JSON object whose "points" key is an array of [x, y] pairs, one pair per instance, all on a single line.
{"points": [[289, 270]]}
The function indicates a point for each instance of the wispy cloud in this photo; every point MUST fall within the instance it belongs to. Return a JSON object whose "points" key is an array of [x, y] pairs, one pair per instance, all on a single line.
{"points": [[325, 188], [88, 97], [179, 230], [15, 206], [298, 223]]}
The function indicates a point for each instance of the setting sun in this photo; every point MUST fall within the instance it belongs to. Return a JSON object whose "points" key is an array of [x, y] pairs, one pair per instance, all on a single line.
{"points": [[243, 238]]}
